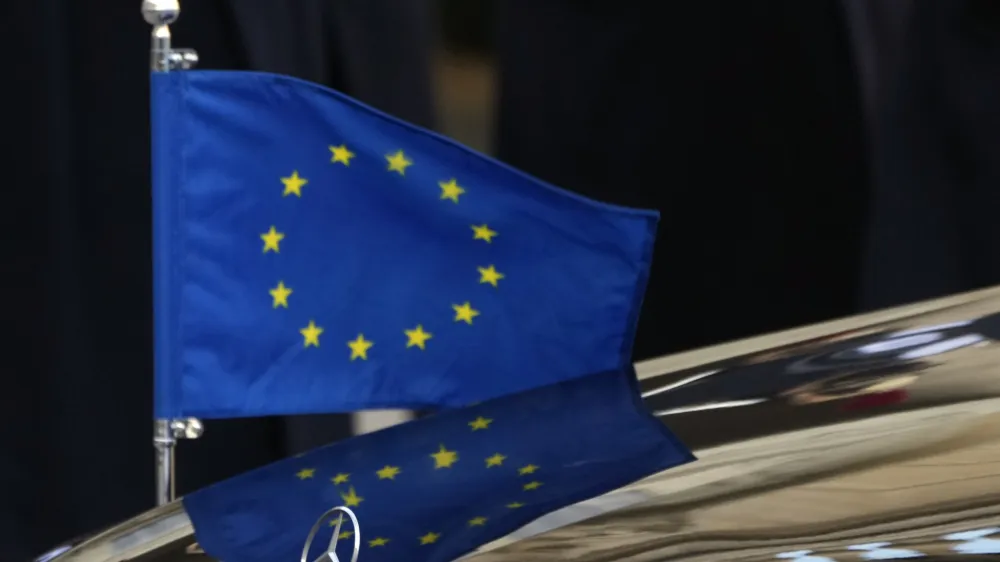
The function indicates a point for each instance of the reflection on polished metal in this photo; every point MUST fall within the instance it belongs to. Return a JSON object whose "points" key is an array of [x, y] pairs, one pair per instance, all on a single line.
{"points": [[869, 438], [331, 551], [164, 58]]}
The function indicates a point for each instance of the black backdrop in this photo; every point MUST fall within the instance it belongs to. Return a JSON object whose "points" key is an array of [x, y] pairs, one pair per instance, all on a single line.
{"points": [[741, 122], [937, 199], [75, 416]]}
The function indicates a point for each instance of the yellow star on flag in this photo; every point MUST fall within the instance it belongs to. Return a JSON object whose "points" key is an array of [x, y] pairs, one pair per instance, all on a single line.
{"points": [[378, 541], [480, 423], [451, 190], [444, 458], [527, 469], [294, 184], [490, 275], [477, 521], [280, 294], [387, 472], [532, 485], [417, 337], [430, 538], [341, 154], [483, 232], [272, 239], [398, 162], [515, 505], [495, 460], [464, 312], [340, 478], [359, 347], [306, 473], [351, 498], [311, 334]]}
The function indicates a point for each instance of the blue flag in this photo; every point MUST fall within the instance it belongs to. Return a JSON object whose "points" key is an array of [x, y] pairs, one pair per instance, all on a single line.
{"points": [[436, 488], [314, 255]]}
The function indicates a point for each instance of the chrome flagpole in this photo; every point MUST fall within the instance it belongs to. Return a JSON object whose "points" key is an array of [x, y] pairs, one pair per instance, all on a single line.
{"points": [[164, 58]]}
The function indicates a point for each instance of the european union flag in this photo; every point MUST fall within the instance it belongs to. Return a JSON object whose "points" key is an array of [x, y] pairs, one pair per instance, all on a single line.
{"points": [[436, 488], [315, 255]]}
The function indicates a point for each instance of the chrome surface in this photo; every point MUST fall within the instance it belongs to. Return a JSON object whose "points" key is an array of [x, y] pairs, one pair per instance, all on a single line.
{"points": [[870, 438]]}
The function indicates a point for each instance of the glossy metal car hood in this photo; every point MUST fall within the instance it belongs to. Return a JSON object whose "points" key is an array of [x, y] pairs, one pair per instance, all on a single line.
{"points": [[870, 438]]}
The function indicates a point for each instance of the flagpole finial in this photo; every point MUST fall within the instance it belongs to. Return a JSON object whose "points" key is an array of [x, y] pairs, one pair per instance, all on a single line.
{"points": [[161, 12], [163, 57]]}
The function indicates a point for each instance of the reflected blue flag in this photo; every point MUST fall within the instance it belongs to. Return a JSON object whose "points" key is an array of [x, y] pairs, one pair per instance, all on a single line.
{"points": [[436, 488], [315, 255]]}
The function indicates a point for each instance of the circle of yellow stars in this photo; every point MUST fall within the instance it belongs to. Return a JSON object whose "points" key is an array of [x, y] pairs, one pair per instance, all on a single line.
{"points": [[443, 458], [417, 337]]}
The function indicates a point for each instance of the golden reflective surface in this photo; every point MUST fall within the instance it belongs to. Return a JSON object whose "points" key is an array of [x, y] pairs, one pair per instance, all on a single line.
{"points": [[872, 438]]}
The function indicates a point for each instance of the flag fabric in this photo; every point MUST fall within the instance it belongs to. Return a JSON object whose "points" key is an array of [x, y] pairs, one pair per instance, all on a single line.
{"points": [[314, 255], [436, 488]]}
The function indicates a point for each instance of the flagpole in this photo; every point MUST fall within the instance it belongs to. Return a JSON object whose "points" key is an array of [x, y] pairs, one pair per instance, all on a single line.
{"points": [[164, 58]]}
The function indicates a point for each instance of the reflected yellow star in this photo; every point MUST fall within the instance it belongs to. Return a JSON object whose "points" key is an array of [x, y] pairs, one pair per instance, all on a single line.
{"points": [[294, 184], [495, 460], [341, 154], [359, 347], [464, 312], [398, 162], [483, 232], [515, 505], [480, 423], [451, 190], [477, 521], [306, 473], [532, 485], [351, 498], [343, 534], [444, 458], [311, 334], [341, 478], [490, 275], [280, 294], [378, 541], [387, 472], [430, 538], [417, 337], [272, 240], [527, 469]]}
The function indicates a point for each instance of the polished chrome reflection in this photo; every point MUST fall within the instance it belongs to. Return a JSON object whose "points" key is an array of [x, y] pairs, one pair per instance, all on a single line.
{"points": [[871, 438]]}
